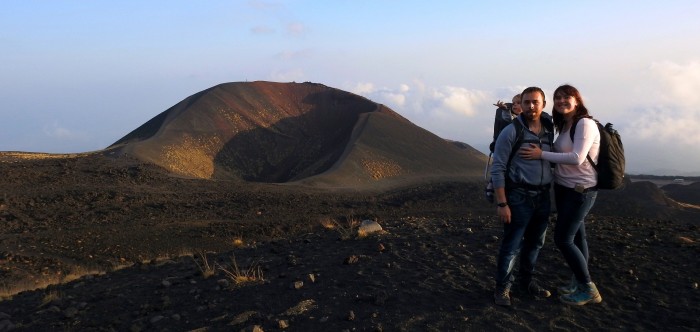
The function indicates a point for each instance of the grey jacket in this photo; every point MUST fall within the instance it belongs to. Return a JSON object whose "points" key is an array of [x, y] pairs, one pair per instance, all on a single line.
{"points": [[531, 172]]}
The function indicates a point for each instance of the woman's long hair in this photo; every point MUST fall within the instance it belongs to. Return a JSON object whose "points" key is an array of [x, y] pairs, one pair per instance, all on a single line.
{"points": [[580, 112]]}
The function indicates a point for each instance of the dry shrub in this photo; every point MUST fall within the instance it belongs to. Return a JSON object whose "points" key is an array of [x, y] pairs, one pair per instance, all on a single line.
{"points": [[70, 273], [49, 297], [78, 271], [237, 241], [347, 229], [361, 233], [207, 269], [242, 276]]}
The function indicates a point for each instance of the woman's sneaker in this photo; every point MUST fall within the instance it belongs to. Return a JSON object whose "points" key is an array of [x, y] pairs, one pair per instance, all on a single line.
{"points": [[585, 293], [569, 288]]}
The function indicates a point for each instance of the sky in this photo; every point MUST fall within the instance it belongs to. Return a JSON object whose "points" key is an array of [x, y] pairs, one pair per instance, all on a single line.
{"points": [[76, 76]]}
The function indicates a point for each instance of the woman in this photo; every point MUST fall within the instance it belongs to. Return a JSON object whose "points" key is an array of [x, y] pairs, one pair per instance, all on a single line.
{"points": [[574, 188]]}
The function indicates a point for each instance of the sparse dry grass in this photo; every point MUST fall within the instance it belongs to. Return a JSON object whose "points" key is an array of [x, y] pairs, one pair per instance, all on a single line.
{"points": [[237, 242], [380, 169], [192, 156], [49, 297], [207, 269], [77, 272], [243, 276], [72, 273], [16, 155], [347, 229], [361, 233]]}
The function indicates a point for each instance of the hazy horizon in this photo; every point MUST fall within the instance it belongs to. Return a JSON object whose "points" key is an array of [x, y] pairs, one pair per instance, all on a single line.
{"points": [[78, 76]]}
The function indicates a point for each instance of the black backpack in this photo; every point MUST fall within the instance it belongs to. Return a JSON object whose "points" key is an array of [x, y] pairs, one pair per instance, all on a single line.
{"points": [[611, 158], [502, 119]]}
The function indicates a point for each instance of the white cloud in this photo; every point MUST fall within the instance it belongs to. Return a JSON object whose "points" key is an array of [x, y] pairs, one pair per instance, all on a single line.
{"points": [[679, 83], [394, 98], [261, 30], [363, 89], [669, 113], [295, 55], [459, 100], [55, 131], [293, 75], [450, 112], [397, 99], [660, 126], [296, 29], [438, 101], [264, 5]]}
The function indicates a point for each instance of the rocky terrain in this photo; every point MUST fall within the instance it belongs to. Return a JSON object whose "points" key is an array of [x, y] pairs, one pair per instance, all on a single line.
{"points": [[122, 240]]}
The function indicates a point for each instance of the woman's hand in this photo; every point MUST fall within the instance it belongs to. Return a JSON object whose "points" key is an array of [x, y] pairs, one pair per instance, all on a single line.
{"points": [[500, 104], [531, 153]]}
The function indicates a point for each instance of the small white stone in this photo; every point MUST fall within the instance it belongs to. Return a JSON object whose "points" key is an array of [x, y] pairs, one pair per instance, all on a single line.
{"points": [[369, 226]]}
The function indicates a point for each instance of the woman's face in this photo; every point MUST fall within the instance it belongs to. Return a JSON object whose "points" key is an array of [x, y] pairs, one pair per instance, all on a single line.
{"points": [[517, 108], [565, 105]]}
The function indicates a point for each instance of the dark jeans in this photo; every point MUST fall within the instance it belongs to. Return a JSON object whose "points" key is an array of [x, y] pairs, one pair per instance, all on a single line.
{"points": [[570, 230], [524, 235]]}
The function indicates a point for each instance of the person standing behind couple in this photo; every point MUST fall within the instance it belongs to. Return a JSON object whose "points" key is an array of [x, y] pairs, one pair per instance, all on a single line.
{"points": [[574, 189], [505, 114]]}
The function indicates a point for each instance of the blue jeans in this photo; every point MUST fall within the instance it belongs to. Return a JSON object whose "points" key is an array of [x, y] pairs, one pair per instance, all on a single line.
{"points": [[570, 230], [524, 235]]}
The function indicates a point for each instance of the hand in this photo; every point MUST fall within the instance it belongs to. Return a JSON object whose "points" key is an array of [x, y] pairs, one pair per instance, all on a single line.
{"points": [[500, 104], [504, 214], [531, 153]]}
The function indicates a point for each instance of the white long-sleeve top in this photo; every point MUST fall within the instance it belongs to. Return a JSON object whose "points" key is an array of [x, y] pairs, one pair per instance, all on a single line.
{"points": [[572, 166]]}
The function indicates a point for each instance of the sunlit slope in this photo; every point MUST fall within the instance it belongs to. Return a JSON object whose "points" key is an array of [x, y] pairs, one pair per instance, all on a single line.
{"points": [[395, 152], [287, 132]]}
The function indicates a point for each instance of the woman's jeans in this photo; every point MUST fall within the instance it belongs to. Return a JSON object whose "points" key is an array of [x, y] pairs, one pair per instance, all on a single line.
{"points": [[570, 230], [525, 235]]}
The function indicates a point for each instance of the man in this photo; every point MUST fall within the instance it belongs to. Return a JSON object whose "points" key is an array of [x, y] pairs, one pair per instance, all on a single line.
{"points": [[521, 189]]}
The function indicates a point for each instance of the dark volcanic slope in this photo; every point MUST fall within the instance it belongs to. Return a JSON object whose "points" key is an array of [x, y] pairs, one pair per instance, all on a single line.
{"points": [[684, 193], [286, 132], [641, 198]]}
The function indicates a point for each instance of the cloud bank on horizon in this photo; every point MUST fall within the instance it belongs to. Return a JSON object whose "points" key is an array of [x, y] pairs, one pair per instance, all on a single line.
{"points": [[78, 76]]}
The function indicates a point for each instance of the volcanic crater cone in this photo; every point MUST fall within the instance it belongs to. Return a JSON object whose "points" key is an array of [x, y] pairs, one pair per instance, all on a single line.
{"points": [[302, 133]]}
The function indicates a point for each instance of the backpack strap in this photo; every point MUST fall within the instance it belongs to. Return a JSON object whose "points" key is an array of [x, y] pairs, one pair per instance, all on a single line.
{"points": [[571, 135], [519, 140], [519, 130], [548, 124]]}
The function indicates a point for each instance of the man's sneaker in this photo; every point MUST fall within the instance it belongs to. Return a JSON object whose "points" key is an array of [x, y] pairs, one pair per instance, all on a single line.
{"points": [[585, 293], [501, 296], [569, 288], [534, 289]]}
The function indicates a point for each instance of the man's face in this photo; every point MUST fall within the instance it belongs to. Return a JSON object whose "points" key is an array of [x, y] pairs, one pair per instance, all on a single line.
{"points": [[532, 105]]}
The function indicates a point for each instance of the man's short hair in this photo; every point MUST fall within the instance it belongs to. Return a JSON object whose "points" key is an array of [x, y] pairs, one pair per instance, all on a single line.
{"points": [[533, 89]]}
